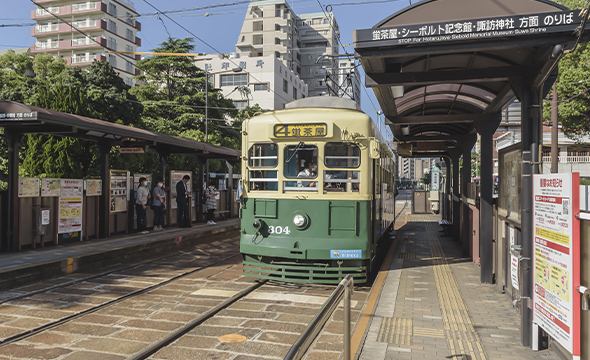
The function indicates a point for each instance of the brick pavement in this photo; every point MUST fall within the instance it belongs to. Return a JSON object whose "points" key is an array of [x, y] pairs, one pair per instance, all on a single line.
{"points": [[433, 306]]}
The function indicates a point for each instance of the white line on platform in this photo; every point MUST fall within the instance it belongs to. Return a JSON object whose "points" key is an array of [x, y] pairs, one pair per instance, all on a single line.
{"points": [[432, 317], [393, 348]]}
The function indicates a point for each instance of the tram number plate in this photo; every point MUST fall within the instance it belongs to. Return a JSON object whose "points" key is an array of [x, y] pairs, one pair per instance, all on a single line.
{"points": [[279, 230], [301, 130], [346, 254]]}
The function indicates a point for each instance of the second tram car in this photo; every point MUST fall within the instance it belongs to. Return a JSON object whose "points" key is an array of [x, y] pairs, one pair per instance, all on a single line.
{"points": [[318, 192]]}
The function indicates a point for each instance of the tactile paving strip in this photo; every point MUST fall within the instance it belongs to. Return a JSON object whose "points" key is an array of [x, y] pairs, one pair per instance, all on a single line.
{"points": [[396, 331]]}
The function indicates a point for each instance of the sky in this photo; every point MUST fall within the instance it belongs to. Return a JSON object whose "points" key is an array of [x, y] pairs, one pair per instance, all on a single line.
{"points": [[220, 28]]}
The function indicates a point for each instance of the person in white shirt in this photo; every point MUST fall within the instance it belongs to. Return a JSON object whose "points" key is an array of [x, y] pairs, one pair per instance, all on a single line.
{"points": [[308, 173]]}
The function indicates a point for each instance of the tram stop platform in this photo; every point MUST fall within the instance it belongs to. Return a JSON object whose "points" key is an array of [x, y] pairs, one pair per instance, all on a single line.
{"points": [[53, 261], [431, 305]]}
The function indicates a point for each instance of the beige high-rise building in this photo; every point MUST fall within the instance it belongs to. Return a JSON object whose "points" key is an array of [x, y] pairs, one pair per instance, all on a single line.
{"points": [[300, 41], [110, 24]]}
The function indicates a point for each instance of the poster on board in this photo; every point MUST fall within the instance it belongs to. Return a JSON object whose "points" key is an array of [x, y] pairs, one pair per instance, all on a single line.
{"points": [[93, 187], [556, 257], [50, 187], [175, 177], [70, 206], [28, 187], [119, 190]]}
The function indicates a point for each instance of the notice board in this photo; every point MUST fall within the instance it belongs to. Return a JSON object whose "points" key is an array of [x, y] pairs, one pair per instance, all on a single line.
{"points": [[70, 206], [175, 177], [556, 258]]}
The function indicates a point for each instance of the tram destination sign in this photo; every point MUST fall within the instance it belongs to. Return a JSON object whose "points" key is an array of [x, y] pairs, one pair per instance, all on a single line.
{"points": [[301, 130], [494, 27]]}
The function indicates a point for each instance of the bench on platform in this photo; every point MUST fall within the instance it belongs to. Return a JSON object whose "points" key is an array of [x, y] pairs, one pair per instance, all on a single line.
{"points": [[446, 225]]}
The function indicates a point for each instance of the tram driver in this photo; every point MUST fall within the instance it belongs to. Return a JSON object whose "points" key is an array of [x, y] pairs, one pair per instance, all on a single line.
{"points": [[309, 172]]}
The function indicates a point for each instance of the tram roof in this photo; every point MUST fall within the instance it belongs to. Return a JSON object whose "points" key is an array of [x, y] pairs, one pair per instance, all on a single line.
{"points": [[439, 68], [20, 118], [327, 102]]}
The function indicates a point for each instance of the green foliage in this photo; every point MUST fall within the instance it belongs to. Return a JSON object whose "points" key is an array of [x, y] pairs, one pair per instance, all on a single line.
{"points": [[572, 88], [426, 178], [584, 181]]}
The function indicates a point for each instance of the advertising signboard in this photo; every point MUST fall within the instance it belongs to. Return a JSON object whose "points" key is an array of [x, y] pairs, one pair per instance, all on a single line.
{"points": [[556, 259], [70, 206], [119, 190], [93, 187]]}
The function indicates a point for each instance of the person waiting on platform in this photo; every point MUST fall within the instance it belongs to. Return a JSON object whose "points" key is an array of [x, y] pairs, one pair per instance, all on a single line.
{"points": [[159, 205], [211, 203], [182, 199], [141, 205], [308, 173]]}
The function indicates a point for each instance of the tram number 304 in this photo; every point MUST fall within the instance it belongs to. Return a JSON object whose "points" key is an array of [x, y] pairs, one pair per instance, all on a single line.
{"points": [[279, 230]]}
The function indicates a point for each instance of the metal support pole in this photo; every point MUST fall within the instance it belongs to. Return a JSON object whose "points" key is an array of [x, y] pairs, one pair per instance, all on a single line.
{"points": [[486, 210], [447, 161], [456, 197], [554, 132], [13, 202], [466, 235], [104, 206], [230, 188], [200, 192], [206, 107]]}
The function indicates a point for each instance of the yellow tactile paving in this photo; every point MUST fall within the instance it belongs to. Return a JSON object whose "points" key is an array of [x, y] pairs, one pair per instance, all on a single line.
{"points": [[458, 327], [396, 331]]}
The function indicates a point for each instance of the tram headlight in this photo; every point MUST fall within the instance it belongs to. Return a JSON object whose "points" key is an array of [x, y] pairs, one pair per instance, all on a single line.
{"points": [[256, 225], [299, 220]]}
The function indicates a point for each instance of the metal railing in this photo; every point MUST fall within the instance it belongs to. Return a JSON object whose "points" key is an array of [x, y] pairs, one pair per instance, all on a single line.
{"points": [[343, 291], [569, 159]]}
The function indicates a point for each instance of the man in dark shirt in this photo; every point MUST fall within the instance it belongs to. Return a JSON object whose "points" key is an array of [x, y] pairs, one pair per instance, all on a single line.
{"points": [[182, 200]]}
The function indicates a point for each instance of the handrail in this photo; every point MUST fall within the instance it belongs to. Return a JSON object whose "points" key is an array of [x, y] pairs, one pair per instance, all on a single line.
{"points": [[343, 290]]}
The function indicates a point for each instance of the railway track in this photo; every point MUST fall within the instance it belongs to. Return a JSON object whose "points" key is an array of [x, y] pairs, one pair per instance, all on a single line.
{"points": [[53, 324]]}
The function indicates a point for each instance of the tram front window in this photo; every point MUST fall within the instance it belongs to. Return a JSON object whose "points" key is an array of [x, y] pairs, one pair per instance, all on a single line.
{"points": [[263, 156], [301, 163]]}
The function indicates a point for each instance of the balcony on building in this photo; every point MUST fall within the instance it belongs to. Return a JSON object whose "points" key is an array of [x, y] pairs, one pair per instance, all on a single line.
{"points": [[84, 60], [49, 29], [69, 44], [84, 8]]}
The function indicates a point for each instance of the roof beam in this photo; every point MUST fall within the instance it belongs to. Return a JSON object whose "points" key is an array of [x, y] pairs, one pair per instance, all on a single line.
{"points": [[501, 73], [427, 138], [440, 119]]}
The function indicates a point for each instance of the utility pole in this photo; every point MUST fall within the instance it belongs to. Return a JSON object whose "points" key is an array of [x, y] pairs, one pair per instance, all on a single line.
{"points": [[554, 132]]}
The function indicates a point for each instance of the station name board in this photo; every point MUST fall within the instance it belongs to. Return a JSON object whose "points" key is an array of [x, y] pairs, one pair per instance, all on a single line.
{"points": [[32, 115], [495, 27]]}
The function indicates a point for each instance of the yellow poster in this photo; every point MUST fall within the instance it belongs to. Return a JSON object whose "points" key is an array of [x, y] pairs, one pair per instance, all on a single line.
{"points": [[560, 283], [542, 273], [563, 239]]}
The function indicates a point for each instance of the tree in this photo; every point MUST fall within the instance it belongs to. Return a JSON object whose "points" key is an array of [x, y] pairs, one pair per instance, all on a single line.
{"points": [[572, 88]]}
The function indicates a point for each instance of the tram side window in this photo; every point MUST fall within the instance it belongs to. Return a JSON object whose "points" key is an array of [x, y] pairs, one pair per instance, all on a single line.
{"points": [[342, 181], [342, 155], [301, 162], [263, 156]]}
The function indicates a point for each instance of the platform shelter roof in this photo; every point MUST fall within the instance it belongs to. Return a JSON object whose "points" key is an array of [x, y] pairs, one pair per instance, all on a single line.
{"points": [[20, 118], [440, 67]]}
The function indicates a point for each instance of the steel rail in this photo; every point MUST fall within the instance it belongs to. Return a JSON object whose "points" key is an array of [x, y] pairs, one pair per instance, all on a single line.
{"points": [[194, 323], [342, 291], [53, 324]]}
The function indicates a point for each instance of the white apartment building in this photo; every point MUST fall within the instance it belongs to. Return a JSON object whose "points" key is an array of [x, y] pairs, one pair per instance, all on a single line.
{"points": [[349, 81], [265, 81], [406, 170], [300, 41], [110, 24]]}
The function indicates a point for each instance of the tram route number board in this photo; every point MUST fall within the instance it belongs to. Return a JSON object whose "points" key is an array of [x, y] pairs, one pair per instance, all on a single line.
{"points": [[301, 130]]}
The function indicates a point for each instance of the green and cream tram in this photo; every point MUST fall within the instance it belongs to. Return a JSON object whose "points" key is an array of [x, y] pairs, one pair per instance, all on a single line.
{"points": [[318, 188]]}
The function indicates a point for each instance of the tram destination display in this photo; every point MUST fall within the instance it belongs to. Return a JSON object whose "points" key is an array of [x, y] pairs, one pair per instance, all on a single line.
{"points": [[300, 130], [476, 29], [556, 258]]}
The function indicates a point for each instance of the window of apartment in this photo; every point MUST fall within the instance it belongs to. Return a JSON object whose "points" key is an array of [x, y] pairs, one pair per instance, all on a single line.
{"points": [[261, 87], [277, 41], [243, 38], [326, 21], [294, 93], [112, 9], [130, 36], [277, 27], [234, 79], [129, 81], [112, 44], [129, 48], [285, 86], [112, 60], [240, 104], [112, 26], [128, 67]]}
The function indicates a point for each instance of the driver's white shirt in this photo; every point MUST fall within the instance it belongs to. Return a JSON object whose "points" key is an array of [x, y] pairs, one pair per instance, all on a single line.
{"points": [[304, 174]]}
